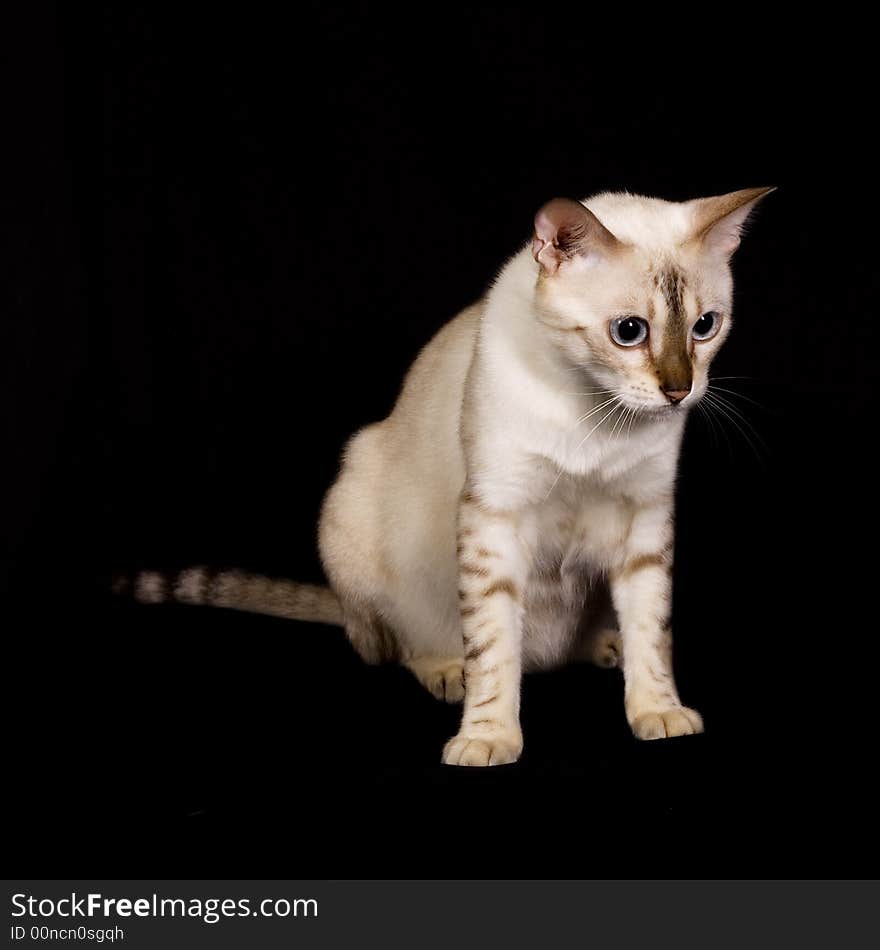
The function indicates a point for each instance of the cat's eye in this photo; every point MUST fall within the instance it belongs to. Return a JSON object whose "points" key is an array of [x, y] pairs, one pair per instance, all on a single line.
{"points": [[629, 331], [707, 326]]}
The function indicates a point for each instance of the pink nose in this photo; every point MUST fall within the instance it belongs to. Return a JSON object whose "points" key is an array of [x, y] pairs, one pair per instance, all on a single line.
{"points": [[675, 395]]}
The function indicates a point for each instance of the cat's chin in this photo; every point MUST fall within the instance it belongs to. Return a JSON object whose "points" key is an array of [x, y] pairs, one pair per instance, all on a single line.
{"points": [[659, 413]]}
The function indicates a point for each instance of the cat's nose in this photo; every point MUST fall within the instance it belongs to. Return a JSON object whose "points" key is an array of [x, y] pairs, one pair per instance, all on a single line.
{"points": [[675, 395]]}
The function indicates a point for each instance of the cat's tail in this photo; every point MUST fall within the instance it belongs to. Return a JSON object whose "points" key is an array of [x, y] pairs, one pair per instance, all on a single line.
{"points": [[235, 590]]}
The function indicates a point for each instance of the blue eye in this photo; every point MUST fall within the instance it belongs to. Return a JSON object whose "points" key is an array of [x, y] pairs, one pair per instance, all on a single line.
{"points": [[629, 331], [707, 326]]}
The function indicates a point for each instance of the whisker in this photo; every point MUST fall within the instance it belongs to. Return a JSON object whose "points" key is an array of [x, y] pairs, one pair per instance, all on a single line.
{"points": [[621, 421], [608, 413], [611, 411], [732, 392], [710, 422], [592, 412], [730, 413], [635, 414], [629, 416], [715, 417], [594, 392], [744, 419]]}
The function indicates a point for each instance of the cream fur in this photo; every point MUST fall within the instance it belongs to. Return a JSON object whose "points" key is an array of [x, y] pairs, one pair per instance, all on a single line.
{"points": [[556, 506], [515, 510]]}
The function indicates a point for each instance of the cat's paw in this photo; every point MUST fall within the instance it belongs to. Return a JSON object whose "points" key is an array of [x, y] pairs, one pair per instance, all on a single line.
{"points": [[605, 649], [443, 677], [501, 749], [601, 647], [666, 723]]}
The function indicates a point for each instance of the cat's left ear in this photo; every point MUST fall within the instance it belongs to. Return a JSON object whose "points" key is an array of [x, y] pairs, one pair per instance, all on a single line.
{"points": [[565, 230], [718, 222]]}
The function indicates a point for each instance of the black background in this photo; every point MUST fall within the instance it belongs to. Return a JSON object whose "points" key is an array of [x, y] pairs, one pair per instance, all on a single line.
{"points": [[231, 232]]}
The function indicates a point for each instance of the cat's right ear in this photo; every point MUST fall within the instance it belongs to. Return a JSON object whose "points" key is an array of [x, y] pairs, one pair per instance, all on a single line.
{"points": [[564, 230]]}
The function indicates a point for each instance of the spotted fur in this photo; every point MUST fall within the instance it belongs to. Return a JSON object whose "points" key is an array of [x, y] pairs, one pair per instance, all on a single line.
{"points": [[515, 510], [234, 590]]}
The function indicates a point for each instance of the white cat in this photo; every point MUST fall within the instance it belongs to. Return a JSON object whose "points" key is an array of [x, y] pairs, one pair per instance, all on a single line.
{"points": [[515, 510]]}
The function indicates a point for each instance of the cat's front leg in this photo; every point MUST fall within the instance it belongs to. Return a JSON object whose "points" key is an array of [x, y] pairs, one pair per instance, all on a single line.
{"points": [[641, 586], [492, 574]]}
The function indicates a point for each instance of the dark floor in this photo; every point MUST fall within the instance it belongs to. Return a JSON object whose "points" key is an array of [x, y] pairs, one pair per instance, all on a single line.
{"points": [[194, 742]]}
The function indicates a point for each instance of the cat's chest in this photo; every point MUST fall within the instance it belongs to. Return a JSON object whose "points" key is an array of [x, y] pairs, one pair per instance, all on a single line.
{"points": [[579, 523], [609, 453], [569, 476]]}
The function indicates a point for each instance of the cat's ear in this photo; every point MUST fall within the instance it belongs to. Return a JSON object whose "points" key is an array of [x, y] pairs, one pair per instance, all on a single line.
{"points": [[718, 222], [565, 229]]}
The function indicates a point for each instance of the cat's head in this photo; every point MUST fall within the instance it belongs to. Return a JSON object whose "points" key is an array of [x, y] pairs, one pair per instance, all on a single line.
{"points": [[638, 291]]}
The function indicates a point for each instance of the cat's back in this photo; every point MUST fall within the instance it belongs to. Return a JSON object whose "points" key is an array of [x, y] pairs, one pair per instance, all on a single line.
{"points": [[408, 469], [440, 368], [429, 404], [413, 459]]}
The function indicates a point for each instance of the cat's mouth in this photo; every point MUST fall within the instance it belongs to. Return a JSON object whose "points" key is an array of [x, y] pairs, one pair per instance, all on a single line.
{"points": [[674, 408], [667, 410]]}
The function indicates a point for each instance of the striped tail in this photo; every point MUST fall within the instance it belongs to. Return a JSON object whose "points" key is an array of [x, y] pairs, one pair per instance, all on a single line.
{"points": [[235, 590]]}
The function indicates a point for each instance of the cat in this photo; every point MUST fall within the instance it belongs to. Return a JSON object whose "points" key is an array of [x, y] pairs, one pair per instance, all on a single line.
{"points": [[514, 512]]}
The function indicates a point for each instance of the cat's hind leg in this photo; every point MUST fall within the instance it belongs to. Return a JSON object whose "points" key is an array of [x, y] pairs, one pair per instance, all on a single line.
{"points": [[442, 676], [598, 634], [368, 634], [396, 578], [428, 629], [375, 642], [602, 647], [400, 624]]}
